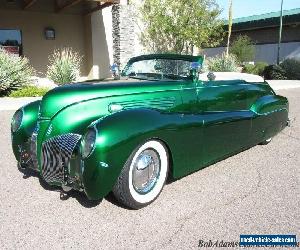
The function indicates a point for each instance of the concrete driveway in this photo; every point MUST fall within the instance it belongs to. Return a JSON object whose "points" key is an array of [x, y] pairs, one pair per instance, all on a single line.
{"points": [[254, 192]]}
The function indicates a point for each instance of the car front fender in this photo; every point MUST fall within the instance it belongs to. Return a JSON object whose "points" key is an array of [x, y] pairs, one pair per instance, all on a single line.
{"points": [[119, 134], [21, 136], [117, 137]]}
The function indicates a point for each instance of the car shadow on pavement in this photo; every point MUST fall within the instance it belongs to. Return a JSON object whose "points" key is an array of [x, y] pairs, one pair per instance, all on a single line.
{"points": [[79, 196], [112, 199]]}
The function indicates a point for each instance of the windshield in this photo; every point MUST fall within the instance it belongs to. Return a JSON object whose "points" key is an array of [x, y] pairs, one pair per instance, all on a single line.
{"points": [[161, 69]]}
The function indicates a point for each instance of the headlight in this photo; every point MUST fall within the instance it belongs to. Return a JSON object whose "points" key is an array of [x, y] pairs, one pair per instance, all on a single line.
{"points": [[16, 121], [88, 143]]}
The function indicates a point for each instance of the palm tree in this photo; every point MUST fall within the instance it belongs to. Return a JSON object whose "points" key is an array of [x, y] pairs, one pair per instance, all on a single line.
{"points": [[280, 33], [229, 26]]}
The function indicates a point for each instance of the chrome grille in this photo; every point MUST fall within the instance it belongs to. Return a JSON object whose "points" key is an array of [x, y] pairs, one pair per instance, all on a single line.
{"points": [[56, 154]]}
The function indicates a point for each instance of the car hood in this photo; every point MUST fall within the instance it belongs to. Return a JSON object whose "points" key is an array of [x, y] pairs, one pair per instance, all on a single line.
{"points": [[67, 95]]}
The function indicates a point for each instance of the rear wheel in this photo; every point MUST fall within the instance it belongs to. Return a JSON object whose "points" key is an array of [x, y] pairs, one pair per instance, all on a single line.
{"points": [[143, 176]]}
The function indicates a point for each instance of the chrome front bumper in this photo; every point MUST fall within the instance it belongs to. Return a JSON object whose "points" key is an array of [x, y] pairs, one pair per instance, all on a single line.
{"points": [[28, 154], [60, 160]]}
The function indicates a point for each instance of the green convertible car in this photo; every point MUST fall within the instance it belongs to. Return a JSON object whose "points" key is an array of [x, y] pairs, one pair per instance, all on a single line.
{"points": [[128, 136]]}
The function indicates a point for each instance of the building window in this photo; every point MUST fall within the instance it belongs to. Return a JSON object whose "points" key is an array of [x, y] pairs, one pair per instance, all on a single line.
{"points": [[11, 41]]}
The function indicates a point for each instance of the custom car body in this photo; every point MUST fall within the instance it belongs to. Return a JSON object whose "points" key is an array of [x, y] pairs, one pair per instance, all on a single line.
{"points": [[128, 136]]}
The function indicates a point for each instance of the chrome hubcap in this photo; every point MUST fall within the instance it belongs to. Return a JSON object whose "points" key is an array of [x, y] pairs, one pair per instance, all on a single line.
{"points": [[145, 172]]}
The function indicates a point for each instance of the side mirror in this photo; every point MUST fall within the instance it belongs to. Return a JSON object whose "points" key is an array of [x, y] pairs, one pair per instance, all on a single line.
{"points": [[115, 71], [195, 70]]}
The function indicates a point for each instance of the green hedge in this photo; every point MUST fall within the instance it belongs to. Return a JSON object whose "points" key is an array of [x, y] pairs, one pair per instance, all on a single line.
{"points": [[257, 69], [29, 91]]}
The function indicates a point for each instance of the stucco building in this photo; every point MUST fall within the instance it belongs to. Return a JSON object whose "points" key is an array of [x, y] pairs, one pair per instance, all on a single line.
{"points": [[264, 32], [98, 29]]}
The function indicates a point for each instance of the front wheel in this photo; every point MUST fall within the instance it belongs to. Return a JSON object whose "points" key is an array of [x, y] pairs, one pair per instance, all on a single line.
{"points": [[143, 176]]}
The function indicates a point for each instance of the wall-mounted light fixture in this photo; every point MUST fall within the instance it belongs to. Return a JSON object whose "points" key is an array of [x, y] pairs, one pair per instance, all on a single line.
{"points": [[50, 33]]}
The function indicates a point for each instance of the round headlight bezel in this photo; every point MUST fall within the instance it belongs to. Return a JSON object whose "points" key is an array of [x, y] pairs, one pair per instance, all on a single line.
{"points": [[17, 120], [88, 142]]}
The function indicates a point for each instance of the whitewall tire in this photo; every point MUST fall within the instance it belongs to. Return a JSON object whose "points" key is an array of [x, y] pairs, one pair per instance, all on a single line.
{"points": [[143, 176]]}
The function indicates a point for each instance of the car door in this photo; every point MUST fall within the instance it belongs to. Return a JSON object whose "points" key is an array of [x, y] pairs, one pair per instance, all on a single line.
{"points": [[226, 118], [191, 135]]}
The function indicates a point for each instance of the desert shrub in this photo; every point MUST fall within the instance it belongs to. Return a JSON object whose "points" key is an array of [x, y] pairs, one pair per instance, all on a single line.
{"points": [[64, 66], [15, 72], [292, 68], [243, 49], [222, 63], [29, 91], [257, 69], [274, 72]]}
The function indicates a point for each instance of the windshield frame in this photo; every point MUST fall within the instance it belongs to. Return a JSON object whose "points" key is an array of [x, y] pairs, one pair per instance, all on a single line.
{"points": [[175, 57]]}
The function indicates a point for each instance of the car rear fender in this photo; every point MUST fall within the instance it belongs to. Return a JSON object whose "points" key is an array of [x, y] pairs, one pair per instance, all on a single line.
{"points": [[270, 103], [270, 117]]}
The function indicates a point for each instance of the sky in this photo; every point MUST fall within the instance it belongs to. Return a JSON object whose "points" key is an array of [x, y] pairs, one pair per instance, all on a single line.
{"points": [[243, 8]]}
